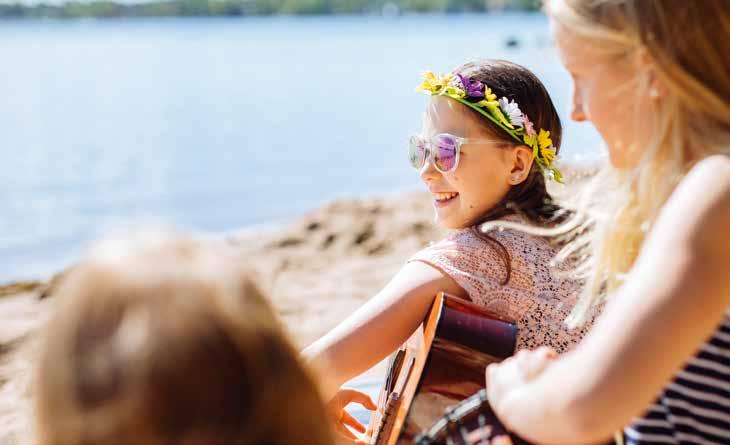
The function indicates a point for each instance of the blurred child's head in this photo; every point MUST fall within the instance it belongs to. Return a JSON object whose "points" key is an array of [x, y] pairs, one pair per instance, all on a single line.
{"points": [[164, 341], [496, 174]]}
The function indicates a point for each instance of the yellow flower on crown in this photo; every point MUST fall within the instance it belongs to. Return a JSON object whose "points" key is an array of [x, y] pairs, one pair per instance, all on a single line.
{"points": [[433, 83], [490, 103], [548, 154], [490, 100], [544, 139], [545, 144], [454, 91]]}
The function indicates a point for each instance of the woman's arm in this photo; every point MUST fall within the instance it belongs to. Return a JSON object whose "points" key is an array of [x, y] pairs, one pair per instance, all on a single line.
{"points": [[672, 302], [379, 327]]}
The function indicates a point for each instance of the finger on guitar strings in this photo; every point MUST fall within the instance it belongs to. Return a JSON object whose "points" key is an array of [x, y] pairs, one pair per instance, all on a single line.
{"points": [[355, 396], [342, 430], [350, 421], [347, 437]]}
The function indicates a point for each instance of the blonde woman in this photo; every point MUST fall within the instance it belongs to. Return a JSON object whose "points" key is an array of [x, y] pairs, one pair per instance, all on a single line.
{"points": [[163, 341], [653, 76]]}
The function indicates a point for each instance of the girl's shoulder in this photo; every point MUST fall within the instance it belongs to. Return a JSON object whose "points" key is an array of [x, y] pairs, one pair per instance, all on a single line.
{"points": [[488, 248], [472, 238]]}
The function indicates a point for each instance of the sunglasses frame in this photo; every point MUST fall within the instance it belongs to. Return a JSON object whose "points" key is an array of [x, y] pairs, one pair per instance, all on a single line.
{"points": [[428, 143]]}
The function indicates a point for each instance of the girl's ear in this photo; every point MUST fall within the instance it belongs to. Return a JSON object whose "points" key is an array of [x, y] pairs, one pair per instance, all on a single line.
{"points": [[521, 164]]}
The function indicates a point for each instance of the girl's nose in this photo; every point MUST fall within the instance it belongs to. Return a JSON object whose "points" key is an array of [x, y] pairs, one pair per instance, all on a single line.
{"points": [[428, 171]]}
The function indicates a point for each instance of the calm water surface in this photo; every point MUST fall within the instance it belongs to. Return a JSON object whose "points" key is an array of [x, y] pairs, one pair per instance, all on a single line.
{"points": [[214, 124]]}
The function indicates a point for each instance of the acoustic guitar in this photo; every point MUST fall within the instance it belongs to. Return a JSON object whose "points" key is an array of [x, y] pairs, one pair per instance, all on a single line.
{"points": [[441, 365]]}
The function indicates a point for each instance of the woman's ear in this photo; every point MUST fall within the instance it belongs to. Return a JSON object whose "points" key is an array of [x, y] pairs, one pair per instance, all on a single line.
{"points": [[521, 164], [656, 86]]}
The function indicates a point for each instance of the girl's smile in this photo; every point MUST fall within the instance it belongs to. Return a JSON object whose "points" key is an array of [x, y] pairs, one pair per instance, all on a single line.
{"points": [[486, 170]]}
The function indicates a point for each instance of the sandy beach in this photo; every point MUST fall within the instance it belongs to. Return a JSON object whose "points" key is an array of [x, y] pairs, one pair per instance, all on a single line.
{"points": [[317, 269]]}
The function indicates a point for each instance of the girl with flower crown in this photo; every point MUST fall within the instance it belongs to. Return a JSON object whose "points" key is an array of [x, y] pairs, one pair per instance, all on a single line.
{"points": [[653, 76], [487, 146]]}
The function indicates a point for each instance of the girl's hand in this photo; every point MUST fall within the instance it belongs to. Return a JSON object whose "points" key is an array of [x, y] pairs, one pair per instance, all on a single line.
{"points": [[505, 378], [343, 419]]}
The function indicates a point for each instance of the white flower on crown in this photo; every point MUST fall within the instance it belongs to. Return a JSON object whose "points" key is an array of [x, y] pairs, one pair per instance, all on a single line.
{"points": [[510, 108]]}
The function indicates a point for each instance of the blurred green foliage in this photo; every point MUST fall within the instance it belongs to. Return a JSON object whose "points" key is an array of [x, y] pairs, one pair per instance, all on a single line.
{"points": [[197, 8]]}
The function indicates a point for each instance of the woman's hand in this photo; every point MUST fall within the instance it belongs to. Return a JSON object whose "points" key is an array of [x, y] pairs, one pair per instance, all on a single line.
{"points": [[343, 419], [506, 378]]}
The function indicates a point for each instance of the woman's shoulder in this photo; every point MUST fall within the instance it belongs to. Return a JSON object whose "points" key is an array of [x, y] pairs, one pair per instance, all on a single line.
{"points": [[705, 190], [699, 209], [712, 169]]}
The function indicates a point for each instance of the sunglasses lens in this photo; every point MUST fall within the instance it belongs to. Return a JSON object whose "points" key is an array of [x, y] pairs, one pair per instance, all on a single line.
{"points": [[445, 156], [416, 152]]}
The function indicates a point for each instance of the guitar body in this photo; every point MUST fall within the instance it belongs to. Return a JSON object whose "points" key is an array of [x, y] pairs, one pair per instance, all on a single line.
{"points": [[441, 365], [471, 422]]}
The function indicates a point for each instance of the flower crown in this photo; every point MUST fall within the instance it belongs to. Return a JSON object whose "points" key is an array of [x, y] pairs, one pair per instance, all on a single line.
{"points": [[504, 113]]}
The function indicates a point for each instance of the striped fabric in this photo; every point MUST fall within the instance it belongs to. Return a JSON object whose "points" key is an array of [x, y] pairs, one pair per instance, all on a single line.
{"points": [[695, 407]]}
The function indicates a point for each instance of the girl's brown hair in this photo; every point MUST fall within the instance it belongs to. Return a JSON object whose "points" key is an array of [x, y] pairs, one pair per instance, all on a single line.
{"points": [[530, 198], [170, 342]]}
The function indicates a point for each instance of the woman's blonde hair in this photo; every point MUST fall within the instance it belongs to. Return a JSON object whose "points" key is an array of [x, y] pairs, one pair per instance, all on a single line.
{"points": [[161, 340], [688, 44]]}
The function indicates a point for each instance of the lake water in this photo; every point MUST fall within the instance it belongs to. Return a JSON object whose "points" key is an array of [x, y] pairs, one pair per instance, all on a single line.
{"points": [[214, 124]]}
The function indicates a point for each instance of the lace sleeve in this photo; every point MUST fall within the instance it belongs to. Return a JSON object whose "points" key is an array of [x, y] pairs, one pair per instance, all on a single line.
{"points": [[475, 265]]}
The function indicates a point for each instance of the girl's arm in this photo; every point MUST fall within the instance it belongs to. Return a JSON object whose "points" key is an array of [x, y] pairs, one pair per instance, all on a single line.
{"points": [[379, 327], [672, 302]]}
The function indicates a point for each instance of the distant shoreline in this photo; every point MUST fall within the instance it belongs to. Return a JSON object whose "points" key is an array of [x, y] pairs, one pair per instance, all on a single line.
{"points": [[279, 228], [109, 9]]}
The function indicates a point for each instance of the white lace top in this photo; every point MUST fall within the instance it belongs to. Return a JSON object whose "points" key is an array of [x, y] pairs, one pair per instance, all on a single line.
{"points": [[534, 298]]}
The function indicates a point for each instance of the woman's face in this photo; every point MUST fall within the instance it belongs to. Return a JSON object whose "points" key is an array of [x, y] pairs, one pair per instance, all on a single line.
{"points": [[604, 93], [483, 176]]}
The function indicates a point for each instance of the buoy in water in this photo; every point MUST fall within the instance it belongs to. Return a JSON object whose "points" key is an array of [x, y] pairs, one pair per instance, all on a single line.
{"points": [[512, 42]]}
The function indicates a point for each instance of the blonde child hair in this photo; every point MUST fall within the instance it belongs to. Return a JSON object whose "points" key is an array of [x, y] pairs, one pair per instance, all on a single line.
{"points": [[162, 340]]}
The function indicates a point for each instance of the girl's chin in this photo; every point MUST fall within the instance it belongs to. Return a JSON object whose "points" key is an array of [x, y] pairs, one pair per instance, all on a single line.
{"points": [[449, 221]]}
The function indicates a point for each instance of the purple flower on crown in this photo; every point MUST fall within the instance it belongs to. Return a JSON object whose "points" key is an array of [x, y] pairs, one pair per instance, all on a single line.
{"points": [[473, 88]]}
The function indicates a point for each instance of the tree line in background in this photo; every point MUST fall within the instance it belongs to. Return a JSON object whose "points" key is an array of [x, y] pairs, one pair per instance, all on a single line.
{"points": [[203, 8]]}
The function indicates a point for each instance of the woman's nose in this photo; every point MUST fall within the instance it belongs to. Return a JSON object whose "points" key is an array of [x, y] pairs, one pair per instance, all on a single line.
{"points": [[576, 109], [576, 113]]}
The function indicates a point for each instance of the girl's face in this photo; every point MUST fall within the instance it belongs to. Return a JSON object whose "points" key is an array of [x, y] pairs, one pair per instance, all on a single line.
{"points": [[485, 172], [604, 93]]}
